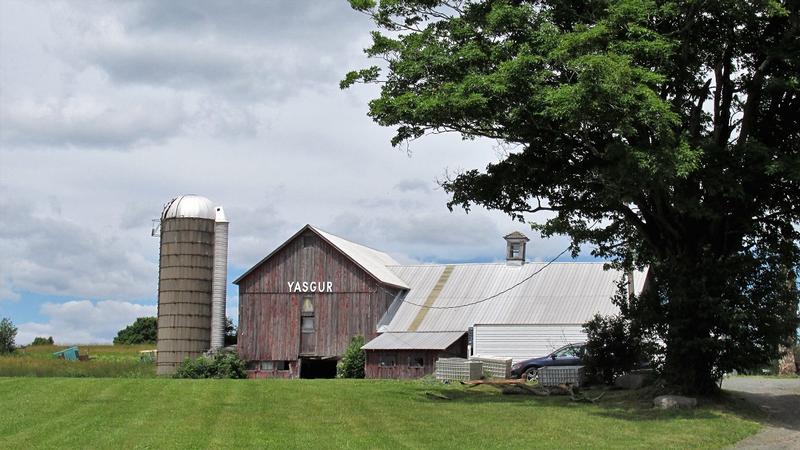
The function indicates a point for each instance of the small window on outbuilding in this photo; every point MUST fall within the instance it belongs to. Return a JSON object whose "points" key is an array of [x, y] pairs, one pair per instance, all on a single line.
{"points": [[416, 361], [515, 251], [387, 360]]}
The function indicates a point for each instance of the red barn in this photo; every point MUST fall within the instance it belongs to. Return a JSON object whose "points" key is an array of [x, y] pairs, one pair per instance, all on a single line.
{"points": [[300, 306]]}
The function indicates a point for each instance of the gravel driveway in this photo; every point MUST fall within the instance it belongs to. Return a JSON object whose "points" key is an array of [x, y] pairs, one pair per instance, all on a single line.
{"points": [[779, 398]]}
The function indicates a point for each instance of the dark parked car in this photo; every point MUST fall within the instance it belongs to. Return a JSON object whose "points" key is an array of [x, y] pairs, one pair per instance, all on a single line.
{"points": [[568, 355]]}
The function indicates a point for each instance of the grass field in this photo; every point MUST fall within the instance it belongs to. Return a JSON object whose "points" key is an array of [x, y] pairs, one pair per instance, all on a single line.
{"points": [[106, 361], [169, 413]]}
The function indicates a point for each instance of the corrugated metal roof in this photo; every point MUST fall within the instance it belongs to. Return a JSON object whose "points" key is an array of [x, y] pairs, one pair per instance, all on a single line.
{"points": [[371, 260], [562, 293], [413, 341]]}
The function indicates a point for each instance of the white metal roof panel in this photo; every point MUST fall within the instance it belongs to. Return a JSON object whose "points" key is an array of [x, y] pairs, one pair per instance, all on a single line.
{"points": [[561, 293], [413, 341], [371, 260]]}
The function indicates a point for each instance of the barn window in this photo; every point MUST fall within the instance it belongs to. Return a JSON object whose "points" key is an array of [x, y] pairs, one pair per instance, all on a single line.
{"points": [[272, 365], [516, 250], [387, 360], [308, 306], [307, 324], [416, 361], [307, 313]]}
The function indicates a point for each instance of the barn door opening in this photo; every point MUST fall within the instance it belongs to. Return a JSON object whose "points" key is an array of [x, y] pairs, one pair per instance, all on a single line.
{"points": [[308, 327], [317, 368]]}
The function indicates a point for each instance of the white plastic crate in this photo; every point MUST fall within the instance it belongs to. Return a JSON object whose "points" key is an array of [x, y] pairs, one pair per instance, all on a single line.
{"points": [[494, 367], [458, 369], [555, 375]]}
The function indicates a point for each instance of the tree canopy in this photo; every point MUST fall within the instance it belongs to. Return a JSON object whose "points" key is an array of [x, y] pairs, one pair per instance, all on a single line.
{"points": [[143, 331], [41, 340], [665, 133], [8, 332]]}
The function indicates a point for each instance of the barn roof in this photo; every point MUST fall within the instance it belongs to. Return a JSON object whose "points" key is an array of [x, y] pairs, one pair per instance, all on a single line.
{"points": [[414, 341], [456, 295], [370, 260]]}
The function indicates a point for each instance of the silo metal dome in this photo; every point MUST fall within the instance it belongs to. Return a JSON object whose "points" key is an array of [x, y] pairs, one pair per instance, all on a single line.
{"points": [[189, 205]]}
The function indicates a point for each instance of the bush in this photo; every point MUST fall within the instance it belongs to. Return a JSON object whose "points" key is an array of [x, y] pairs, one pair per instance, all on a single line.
{"points": [[612, 348], [143, 331], [352, 363], [38, 340], [8, 332], [219, 365]]}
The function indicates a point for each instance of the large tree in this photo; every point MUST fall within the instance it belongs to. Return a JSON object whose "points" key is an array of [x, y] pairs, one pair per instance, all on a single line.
{"points": [[142, 331], [664, 133]]}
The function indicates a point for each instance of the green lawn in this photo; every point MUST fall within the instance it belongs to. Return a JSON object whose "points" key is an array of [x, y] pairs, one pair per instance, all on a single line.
{"points": [[169, 413]]}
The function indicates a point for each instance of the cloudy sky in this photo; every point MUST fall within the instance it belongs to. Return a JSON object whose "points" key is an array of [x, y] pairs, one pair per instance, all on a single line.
{"points": [[110, 109]]}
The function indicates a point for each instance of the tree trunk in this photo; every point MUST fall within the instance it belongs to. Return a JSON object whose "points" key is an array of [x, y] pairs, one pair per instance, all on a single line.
{"points": [[786, 365], [691, 349]]}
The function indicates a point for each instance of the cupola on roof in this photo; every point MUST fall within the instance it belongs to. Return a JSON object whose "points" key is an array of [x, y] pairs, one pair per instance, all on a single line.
{"points": [[189, 205]]}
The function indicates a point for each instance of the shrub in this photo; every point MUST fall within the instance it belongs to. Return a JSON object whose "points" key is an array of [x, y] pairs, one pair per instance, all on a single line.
{"points": [[38, 340], [8, 332], [143, 331], [219, 365], [613, 347], [352, 363]]}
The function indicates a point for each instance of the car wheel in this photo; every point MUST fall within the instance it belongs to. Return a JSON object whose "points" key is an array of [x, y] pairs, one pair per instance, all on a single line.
{"points": [[531, 374]]}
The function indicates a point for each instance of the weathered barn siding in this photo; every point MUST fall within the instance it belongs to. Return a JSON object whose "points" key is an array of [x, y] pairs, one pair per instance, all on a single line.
{"points": [[292, 372], [402, 369], [270, 316]]}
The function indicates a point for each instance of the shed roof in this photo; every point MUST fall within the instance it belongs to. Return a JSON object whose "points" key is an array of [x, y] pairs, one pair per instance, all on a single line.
{"points": [[559, 293], [414, 341], [372, 261]]}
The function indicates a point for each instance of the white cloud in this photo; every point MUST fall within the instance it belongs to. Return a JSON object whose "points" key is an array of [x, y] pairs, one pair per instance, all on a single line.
{"points": [[83, 321], [89, 121], [45, 253]]}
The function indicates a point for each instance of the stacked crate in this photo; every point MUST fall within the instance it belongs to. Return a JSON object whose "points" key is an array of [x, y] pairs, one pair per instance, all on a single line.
{"points": [[555, 375], [458, 369], [494, 367]]}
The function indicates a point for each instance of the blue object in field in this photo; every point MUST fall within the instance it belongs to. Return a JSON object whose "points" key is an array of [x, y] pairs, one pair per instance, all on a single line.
{"points": [[70, 354]]}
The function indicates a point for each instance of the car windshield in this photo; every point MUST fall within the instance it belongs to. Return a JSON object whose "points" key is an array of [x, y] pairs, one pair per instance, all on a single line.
{"points": [[568, 351]]}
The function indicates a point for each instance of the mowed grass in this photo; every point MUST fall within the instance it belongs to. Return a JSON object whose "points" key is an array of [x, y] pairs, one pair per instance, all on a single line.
{"points": [[106, 361], [171, 413]]}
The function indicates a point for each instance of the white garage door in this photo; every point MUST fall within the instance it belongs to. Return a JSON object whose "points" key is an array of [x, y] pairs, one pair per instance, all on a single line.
{"points": [[523, 341]]}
